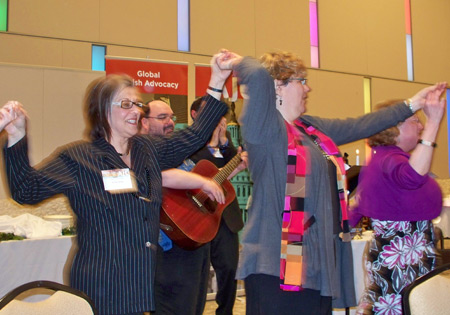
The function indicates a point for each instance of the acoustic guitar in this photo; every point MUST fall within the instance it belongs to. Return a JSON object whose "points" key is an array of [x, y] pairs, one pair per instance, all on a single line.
{"points": [[188, 217]]}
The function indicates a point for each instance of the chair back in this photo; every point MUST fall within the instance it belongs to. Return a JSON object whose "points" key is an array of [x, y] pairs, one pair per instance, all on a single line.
{"points": [[65, 300], [429, 294]]}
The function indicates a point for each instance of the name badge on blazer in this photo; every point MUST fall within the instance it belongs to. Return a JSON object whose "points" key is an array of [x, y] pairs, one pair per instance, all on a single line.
{"points": [[119, 180]]}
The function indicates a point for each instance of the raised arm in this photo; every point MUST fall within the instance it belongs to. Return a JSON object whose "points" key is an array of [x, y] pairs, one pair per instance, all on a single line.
{"points": [[351, 129], [218, 76], [260, 120], [422, 155]]}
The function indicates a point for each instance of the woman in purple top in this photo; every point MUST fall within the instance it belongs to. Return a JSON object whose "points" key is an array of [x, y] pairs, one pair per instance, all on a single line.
{"points": [[400, 198]]}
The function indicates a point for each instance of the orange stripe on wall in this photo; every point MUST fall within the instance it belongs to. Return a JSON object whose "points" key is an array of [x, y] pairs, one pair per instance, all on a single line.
{"points": [[408, 17]]}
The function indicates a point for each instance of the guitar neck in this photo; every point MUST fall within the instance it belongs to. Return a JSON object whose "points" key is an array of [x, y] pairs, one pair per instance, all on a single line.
{"points": [[225, 171]]}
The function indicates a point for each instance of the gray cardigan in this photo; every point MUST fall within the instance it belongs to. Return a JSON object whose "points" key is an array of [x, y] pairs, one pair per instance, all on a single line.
{"points": [[328, 260]]}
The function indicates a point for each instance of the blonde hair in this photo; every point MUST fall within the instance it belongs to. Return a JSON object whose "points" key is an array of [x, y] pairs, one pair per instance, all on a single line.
{"points": [[283, 65]]}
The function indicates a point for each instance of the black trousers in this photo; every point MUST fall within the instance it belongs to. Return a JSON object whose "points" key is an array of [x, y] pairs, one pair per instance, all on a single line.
{"points": [[181, 281], [264, 296], [224, 259]]}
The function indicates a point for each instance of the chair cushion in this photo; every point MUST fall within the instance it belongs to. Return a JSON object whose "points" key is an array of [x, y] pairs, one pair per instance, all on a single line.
{"points": [[432, 296], [58, 303]]}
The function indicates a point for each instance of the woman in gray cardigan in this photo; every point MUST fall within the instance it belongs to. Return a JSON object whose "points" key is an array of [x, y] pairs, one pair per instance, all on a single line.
{"points": [[296, 256]]}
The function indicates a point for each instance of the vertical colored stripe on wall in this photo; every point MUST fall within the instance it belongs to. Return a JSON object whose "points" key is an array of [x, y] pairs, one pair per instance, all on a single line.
{"points": [[3, 15], [314, 33], [184, 40], [409, 58], [367, 96], [408, 17], [409, 50], [98, 57]]}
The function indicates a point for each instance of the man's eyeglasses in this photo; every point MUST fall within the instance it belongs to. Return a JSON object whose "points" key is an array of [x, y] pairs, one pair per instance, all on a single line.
{"points": [[164, 118], [127, 104]]}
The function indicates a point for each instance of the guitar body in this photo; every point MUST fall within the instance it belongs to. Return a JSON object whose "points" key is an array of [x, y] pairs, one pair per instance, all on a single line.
{"points": [[190, 221]]}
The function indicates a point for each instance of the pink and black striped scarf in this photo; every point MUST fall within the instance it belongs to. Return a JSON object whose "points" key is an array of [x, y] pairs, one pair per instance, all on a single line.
{"points": [[295, 222]]}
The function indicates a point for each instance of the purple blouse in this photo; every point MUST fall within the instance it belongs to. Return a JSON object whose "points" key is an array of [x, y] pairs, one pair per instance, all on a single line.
{"points": [[390, 189]]}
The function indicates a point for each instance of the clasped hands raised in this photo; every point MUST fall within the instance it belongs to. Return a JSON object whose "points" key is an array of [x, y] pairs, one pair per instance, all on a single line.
{"points": [[13, 119], [225, 60]]}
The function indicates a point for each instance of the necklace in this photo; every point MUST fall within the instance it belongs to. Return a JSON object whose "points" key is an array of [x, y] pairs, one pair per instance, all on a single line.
{"points": [[316, 140], [127, 152], [124, 154]]}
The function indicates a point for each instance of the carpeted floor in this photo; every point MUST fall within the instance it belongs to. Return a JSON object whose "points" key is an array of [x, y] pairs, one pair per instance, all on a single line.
{"points": [[239, 307]]}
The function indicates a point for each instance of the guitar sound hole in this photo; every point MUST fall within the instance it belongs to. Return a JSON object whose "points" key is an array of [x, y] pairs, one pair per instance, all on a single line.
{"points": [[202, 202]]}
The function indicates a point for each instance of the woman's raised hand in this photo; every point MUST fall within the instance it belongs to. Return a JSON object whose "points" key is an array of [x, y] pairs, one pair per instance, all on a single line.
{"points": [[228, 59], [13, 119], [216, 70], [218, 77], [435, 105], [418, 101]]}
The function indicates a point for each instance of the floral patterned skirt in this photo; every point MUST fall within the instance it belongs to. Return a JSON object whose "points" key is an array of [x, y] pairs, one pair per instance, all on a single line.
{"points": [[399, 252]]}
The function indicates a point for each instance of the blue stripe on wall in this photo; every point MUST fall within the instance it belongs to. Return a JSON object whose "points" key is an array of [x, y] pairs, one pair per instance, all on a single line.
{"points": [[98, 57]]}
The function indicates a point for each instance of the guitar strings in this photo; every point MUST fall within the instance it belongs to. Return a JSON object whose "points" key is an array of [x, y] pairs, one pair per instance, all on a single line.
{"points": [[221, 176]]}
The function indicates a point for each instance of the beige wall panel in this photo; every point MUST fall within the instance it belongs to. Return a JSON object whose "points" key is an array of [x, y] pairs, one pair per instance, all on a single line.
{"points": [[219, 24], [52, 99], [384, 89], [77, 55], [142, 53], [336, 95], [24, 84], [284, 26], [63, 120], [71, 19], [364, 37], [386, 39], [129, 52], [30, 50], [342, 36], [431, 44], [139, 23], [390, 89]]}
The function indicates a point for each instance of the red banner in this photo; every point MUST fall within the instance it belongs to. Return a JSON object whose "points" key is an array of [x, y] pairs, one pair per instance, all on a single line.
{"points": [[152, 77], [202, 76]]}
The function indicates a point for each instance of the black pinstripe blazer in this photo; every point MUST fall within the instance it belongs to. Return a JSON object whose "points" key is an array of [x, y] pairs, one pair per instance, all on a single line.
{"points": [[117, 233]]}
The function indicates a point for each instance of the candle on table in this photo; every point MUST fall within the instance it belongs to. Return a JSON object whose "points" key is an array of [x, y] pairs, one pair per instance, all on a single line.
{"points": [[357, 157]]}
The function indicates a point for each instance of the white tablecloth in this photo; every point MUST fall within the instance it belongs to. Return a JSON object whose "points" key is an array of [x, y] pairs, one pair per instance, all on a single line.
{"points": [[443, 221], [35, 259], [50, 259]]}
